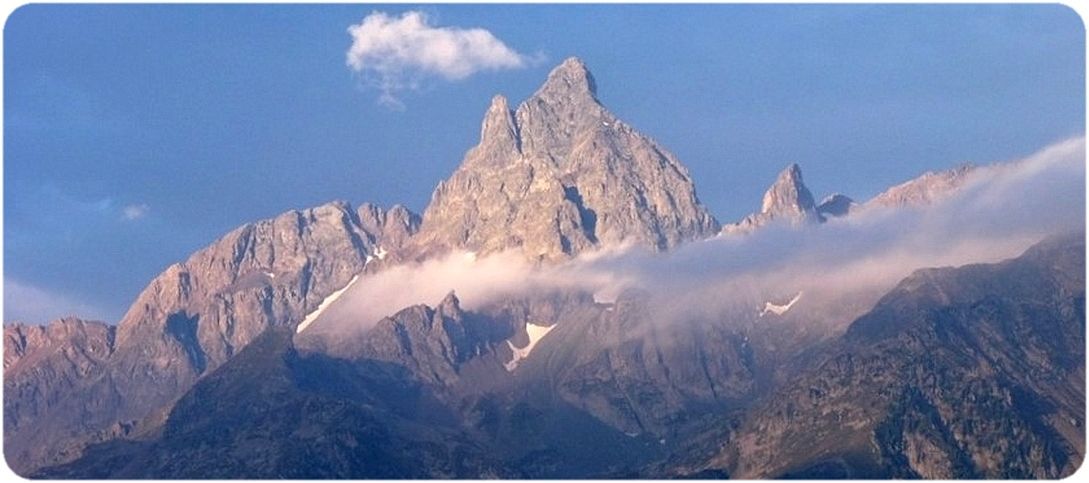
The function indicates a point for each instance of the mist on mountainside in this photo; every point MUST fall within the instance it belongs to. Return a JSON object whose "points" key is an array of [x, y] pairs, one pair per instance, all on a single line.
{"points": [[999, 211]]}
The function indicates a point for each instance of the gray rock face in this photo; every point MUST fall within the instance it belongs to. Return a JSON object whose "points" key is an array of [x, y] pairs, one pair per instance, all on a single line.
{"points": [[787, 200], [45, 369], [79, 342], [926, 189], [561, 175], [388, 230], [44, 362], [262, 274], [638, 377], [43, 366], [197, 314], [434, 344]]}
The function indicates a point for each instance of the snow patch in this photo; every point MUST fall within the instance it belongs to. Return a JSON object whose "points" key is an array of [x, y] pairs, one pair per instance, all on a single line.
{"points": [[779, 309], [536, 333], [379, 254], [269, 274], [312, 316], [607, 296]]}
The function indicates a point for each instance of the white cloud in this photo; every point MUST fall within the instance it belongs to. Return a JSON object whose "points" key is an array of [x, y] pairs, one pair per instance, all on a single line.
{"points": [[393, 53], [28, 303], [133, 212]]}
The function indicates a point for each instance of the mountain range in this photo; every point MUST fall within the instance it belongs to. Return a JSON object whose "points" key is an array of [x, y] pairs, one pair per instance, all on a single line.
{"points": [[235, 363]]}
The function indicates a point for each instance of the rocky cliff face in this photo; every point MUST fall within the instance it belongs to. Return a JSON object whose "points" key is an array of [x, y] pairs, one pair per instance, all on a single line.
{"points": [[439, 346], [561, 175], [974, 372], [261, 274], [79, 342], [388, 230], [46, 369], [197, 314]]}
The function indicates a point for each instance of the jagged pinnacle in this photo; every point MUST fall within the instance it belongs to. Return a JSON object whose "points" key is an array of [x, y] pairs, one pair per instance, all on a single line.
{"points": [[571, 76], [788, 195]]}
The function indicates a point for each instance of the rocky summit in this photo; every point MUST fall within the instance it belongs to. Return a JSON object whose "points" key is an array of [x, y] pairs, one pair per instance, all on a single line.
{"points": [[788, 201], [561, 175], [957, 372]]}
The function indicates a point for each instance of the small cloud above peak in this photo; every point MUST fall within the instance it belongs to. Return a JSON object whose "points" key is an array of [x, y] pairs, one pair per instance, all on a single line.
{"points": [[394, 53]]}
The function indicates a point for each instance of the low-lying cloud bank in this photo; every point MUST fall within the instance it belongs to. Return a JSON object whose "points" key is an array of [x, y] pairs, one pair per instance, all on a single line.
{"points": [[997, 213]]}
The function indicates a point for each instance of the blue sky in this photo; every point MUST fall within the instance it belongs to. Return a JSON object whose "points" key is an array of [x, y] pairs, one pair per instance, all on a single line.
{"points": [[134, 135]]}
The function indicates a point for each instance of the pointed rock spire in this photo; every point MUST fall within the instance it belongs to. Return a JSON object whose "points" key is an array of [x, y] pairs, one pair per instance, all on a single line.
{"points": [[498, 131], [786, 200], [788, 196], [450, 304]]}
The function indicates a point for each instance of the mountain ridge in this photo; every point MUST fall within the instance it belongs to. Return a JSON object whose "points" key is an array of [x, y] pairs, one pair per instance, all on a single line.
{"points": [[194, 316], [557, 177]]}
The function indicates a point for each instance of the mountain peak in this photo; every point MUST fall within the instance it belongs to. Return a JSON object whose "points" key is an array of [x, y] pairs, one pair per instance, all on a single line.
{"points": [[572, 76], [788, 195], [499, 104], [562, 112], [557, 177], [498, 132], [786, 199], [450, 304]]}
